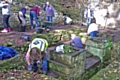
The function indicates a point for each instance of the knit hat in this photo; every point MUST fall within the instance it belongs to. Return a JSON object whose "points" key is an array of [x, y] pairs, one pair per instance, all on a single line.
{"points": [[47, 3]]}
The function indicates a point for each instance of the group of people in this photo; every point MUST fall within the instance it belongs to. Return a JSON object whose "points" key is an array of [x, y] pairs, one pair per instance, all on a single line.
{"points": [[39, 48], [39, 45], [34, 13]]}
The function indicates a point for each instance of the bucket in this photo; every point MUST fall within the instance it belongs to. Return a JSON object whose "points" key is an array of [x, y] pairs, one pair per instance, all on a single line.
{"points": [[21, 28], [39, 30]]}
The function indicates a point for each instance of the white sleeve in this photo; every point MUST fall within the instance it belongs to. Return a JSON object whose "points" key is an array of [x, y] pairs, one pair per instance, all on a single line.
{"points": [[1, 4]]}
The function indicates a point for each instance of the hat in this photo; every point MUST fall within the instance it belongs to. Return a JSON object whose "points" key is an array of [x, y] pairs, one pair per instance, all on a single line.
{"points": [[73, 36], [47, 3], [6, 1]]}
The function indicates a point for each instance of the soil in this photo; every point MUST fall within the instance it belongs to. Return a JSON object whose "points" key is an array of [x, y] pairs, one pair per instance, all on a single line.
{"points": [[15, 36]]}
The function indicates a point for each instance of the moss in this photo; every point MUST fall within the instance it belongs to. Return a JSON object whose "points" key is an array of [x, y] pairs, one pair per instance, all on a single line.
{"points": [[52, 38], [111, 72], [69, 11], [88, 74], [13, 8], [16, 62]]}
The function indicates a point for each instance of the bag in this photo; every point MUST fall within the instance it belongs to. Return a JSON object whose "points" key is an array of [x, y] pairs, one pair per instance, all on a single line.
{"points": [[60, 48]]}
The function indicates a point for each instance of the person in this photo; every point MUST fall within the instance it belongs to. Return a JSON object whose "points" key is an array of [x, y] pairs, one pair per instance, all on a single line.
{"points": [[76, 41], [21, 16], [93, 28], [34, 12], [40, 46], [6, 15], [88, 14], [49, 12], [67, 20]]}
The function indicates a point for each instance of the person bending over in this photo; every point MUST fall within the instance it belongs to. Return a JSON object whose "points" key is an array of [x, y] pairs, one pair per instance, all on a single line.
{"points": [[38, 46]]}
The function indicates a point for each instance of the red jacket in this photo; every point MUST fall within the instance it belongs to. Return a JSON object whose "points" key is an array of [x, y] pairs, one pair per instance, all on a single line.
{"points": [[36, 9]]}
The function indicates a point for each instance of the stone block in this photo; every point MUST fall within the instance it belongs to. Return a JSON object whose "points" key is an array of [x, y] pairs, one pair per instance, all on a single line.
{"points": [[99, 47], [103, 54], [91, 62], [66, 72], [96, 42], [70, 59], [12, 63]]}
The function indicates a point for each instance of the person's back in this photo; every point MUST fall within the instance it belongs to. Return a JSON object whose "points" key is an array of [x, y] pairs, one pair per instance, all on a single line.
{"points": [[93, 28], [23, 10], [36, 9], [34, 13], [67, 20], [41, 46], [76, 41], [39, 43]]}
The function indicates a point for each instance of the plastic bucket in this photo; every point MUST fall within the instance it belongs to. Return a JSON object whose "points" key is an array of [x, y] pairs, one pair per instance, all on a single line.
{"points": [[21, 28]]}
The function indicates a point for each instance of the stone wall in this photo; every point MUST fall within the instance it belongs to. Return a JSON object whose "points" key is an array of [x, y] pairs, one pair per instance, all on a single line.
{"points": [[115, 47], [16, 62]]}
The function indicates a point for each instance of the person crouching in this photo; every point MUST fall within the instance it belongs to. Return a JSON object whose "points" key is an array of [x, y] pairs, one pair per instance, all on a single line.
{"points": [[40, 46]]}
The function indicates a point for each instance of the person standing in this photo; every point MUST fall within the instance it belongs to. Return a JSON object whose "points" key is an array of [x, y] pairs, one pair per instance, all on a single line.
{"points": [[88, 14], [6, 15], [34, 12], [49, 12], [21, 16]]}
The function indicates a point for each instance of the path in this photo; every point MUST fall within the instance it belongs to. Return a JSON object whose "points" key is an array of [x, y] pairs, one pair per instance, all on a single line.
{"points": [[14, 35]]}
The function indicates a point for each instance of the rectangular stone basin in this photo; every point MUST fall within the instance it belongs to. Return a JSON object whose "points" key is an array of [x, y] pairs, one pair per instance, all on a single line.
{"points": [[70, 59]]}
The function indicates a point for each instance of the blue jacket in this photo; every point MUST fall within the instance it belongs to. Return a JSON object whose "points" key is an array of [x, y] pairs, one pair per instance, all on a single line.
{"points": [[7, 52], [77, 42]]}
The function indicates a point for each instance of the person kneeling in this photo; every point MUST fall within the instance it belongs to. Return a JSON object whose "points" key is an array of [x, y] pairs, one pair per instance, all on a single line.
{"points": [[76, 42], [93, 29], [67, 20]]}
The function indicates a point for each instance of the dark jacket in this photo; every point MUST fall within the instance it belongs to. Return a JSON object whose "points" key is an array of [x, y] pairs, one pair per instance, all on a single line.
{"points": [[23, 10]]}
